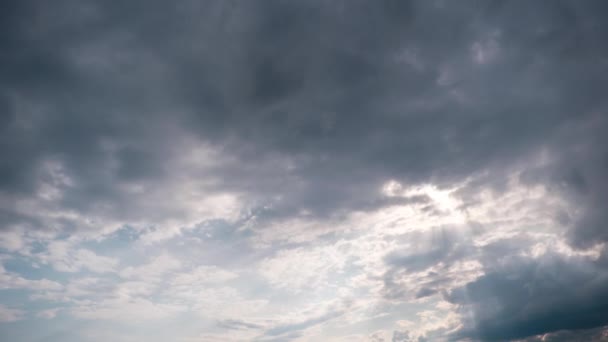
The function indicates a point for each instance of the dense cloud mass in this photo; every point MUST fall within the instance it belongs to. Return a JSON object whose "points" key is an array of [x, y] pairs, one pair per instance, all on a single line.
{"points": [[315, 170], [524, 298]]}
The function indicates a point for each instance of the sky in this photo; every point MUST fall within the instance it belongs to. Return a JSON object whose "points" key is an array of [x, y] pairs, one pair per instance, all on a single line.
{"points": [[319, 170]]}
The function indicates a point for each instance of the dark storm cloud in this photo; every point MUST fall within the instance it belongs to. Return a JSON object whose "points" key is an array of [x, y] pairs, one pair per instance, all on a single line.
{"points": [[525, 297], [355, 93], [516, 297], [51, 109]]}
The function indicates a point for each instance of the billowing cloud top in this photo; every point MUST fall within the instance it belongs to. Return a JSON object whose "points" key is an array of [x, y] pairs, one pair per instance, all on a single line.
{"points": [[303, 170]]}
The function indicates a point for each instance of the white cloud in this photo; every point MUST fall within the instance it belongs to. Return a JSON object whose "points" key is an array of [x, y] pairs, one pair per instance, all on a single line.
{"points": [[302, 269], [48, 314], [154, 270], [11, 240], [10, 315], [9, 280], [215, 302], [203, 275], [65, 257], [306, 261], [132, 310]]}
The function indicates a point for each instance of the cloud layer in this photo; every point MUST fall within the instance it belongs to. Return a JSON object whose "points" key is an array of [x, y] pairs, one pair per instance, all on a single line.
{"points": [[321, 170]]}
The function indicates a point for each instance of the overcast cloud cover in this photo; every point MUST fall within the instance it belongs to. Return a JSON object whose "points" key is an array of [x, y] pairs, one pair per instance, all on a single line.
{"points": [[320, 170]]}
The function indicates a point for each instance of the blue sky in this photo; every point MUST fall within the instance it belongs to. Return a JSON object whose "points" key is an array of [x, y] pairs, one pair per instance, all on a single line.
{"points": [[404, 171]]}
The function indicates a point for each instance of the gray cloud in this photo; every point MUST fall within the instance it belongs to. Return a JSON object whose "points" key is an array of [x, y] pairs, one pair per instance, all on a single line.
{"points": [[311, 108], [583, 335], [432, 253], [261, 79], [238, 325], [289, 331], [526, 297]]}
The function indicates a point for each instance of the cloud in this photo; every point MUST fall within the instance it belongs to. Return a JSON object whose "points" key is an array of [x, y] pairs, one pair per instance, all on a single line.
{"points": [[65, 258], [221, 159], [581, 335], [134, 310], [203, 275], [238, 325], [10, 315], [10, 280], [307, 121], [290, 329], [11, 241], [527, 297], [48, 314], [154, 270], [302, 268]]}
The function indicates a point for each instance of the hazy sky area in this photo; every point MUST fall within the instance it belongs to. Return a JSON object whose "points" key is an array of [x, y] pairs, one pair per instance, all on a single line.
{"points": [[315, 170]]}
